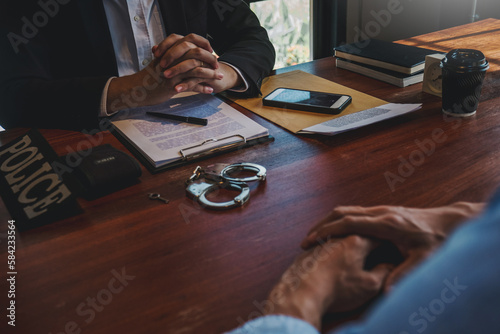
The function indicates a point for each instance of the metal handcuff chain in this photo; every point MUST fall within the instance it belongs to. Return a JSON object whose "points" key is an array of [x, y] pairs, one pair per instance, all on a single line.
{"points": [[218, 176]]}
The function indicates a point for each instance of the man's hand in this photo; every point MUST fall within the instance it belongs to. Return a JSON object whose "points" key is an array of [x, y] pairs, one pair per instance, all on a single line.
{"points": [[228, 79], [150, 87], [182, 64], [329, 277], [176, 49], [415, 232], [191, 58]]}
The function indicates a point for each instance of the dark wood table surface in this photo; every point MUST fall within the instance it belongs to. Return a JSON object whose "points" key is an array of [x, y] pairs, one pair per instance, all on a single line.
{"points": [[132, 265]]}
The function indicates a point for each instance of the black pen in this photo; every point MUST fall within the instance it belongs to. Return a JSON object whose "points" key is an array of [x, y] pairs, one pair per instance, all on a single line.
{"points": [[185, 119]]}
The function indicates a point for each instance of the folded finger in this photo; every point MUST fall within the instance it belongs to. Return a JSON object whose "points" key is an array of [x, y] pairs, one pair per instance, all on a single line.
{"points": [[175, 52], [167, 43], [200, 42], [193, 85], [379, 275], [368, 226], [194, 68], [342, 211], [208, 59], [382, 271], [401, 271], [360, 247], [203, 88], [185, 51]]}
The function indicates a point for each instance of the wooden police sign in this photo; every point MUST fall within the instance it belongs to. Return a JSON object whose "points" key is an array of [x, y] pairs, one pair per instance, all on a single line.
{"points": [[32, 191]]}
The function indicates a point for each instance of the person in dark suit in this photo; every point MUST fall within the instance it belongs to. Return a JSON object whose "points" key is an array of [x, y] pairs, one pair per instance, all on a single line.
{"points": [[61, 61]]}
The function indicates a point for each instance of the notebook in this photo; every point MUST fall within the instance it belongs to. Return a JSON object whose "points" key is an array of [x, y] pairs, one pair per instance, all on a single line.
{"points": [[401, 58]]}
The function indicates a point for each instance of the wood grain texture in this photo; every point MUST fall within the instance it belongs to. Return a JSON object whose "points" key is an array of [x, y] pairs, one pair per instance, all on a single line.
{"points": [[199, 271]]}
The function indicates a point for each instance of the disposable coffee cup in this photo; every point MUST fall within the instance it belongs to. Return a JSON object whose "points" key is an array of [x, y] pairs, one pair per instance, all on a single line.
{"points": [[463, 75]]}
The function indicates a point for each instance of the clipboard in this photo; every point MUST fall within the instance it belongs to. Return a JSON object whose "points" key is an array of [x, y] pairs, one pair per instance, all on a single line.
{"points": [[161, 144], [189, 158]]}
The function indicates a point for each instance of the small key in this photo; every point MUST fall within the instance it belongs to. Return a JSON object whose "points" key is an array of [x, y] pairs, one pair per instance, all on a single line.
{"points": [[158, 197]]}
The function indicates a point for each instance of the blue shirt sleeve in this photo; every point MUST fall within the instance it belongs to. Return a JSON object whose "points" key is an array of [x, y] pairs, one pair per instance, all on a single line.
{"points": [[276, 324]]}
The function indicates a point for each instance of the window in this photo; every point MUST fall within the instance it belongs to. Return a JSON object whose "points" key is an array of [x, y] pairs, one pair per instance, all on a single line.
{"points": [[289, 28]]}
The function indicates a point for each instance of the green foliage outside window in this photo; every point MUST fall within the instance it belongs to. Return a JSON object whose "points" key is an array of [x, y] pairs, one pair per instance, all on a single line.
{"points": [[288, 26]]}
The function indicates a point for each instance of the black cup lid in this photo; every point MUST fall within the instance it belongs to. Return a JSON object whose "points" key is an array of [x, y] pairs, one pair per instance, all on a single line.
{"points": [[465, 60]]}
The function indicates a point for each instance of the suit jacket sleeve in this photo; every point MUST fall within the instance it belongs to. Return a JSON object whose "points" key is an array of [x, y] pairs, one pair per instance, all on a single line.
{"points": [[50, 76], [31, 97], [239, 39]]}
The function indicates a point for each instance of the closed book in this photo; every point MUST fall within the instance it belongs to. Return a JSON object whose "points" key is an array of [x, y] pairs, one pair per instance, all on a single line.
{"points": [[395, 78], [396, 57]]}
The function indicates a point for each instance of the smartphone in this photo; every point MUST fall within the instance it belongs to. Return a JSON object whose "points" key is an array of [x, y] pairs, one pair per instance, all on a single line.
{"points": [[307, 100]]}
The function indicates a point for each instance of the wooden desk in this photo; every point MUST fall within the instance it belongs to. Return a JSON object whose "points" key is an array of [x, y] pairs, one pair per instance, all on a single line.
{"points": [[198, 271]]}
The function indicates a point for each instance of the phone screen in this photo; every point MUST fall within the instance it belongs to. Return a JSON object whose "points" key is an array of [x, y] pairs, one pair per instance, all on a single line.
{"points": [[306, 97]]}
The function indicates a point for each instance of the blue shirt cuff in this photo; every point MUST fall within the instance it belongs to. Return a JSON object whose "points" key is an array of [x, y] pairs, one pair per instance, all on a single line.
{"points": [[276, 324]]}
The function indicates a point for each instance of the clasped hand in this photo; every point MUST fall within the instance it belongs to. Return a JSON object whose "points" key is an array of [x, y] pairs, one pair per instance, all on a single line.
{"points": [[189, 64], [181, 64], [337, 279]]}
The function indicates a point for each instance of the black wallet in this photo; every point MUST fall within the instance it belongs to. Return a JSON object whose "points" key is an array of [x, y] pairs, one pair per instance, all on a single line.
{"points": [[102, 171]]}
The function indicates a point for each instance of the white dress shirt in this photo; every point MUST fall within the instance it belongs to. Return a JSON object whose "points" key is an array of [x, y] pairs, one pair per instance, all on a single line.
{"points": [[135, 27]]}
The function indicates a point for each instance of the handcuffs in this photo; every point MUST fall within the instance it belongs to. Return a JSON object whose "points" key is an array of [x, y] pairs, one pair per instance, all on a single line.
{"points": [[218, 176]]}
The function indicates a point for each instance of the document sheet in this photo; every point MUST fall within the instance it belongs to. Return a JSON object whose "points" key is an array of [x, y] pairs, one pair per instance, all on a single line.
{"points": [[361, 118]]}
